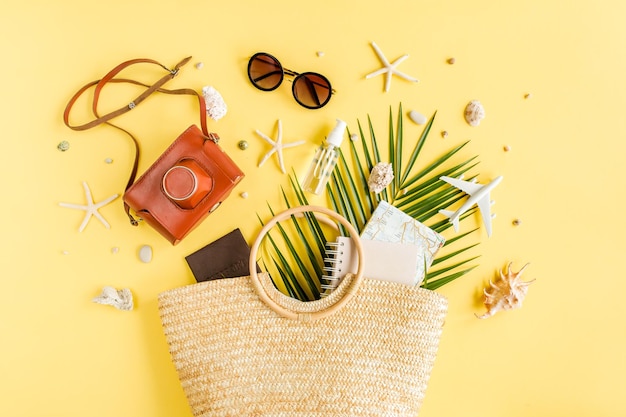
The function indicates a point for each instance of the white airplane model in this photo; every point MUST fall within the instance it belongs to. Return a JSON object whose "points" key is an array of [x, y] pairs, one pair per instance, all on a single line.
{"points": [[479, 194]]}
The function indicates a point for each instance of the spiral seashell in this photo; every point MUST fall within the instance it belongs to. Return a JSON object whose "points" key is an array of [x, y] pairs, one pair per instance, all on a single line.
{"points": [[474, 113], [506, 293], [120, 299]]}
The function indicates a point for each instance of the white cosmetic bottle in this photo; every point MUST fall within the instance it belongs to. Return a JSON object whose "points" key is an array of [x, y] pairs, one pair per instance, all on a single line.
{"points": [[325, 160]]}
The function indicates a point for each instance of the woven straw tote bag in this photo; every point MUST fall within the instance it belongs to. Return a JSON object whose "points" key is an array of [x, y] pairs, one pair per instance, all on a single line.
{"points": [[242, 348]]}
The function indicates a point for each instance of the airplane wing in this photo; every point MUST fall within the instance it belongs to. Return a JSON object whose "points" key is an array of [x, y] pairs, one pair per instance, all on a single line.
{"points": [[465, 186], [484, 204]]}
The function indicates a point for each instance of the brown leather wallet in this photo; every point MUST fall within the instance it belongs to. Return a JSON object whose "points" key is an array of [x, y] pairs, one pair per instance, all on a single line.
{"points": [[226, 257]]}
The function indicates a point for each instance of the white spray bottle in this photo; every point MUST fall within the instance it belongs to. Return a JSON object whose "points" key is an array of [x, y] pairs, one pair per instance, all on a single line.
{"points": [[325, 160]]}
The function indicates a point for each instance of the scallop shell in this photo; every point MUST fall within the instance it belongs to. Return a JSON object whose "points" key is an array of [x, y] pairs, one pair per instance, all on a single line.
{"points": [[474, 113], [506, 293]]}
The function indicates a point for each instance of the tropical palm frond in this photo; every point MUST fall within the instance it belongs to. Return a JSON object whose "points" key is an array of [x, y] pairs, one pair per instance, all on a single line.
{"points": [[418, 191]]}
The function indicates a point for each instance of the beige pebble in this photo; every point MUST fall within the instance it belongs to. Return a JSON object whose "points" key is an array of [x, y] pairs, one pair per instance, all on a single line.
{"points": [[506, 148], [244, 195], [444, 134], [199, 65], [451, 61], [517, 222], [63, 146]]}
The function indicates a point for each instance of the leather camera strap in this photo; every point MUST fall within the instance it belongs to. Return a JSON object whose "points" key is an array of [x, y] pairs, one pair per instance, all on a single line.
{"points": [[156, 87]]}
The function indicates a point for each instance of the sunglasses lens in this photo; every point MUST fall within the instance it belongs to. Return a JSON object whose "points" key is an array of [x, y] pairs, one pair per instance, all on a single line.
{"points": [[311, 90], [265, 72]]}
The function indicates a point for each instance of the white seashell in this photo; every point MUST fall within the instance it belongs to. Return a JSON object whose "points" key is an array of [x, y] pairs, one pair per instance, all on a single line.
{"points": [[145, 253], [506, 293], [199, 65], [474, 113], [354, 137], [215, 106], [120, 299], [380, 177], [418, 118], [244, 195]]}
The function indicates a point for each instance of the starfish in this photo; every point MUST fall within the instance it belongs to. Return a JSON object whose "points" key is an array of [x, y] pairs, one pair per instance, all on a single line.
{"points": [[389, 69], [277, 146], [91, 208]]}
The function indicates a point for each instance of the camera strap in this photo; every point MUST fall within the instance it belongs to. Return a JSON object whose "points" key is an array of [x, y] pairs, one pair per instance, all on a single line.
{"points": [[149, 89]]}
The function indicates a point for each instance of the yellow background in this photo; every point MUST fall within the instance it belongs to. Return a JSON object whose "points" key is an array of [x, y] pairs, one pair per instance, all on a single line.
{"points": [[562, 354]]}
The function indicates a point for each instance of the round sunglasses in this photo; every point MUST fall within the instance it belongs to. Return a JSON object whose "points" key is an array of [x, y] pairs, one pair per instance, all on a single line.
{"points": [[310, 89]]}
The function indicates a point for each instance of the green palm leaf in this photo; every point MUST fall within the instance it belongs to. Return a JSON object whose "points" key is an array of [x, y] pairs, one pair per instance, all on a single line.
{"points": [[419, 192]]}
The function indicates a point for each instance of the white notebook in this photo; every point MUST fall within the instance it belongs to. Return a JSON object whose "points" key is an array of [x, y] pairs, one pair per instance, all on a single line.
{"points": [[387, 261], [396, 248], [390, 224]]}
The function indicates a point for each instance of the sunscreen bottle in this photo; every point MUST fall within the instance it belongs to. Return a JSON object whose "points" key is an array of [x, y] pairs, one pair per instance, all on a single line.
{"points": [[325, 160]]}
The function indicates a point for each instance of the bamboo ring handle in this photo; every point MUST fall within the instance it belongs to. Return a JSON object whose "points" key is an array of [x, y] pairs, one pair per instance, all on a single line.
{"points": [[262, 291]]}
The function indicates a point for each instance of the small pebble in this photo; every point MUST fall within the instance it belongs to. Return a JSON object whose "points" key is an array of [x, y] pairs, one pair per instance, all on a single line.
{"points": [[108, 160], [244, 195], [65, 252], [354, 137], [320, 54], [243, 145], [145, 254], [528, 95], [115, 250], [506, 148], [451, 61], [444, 134], [418, 118], [199, 65], [63, 146], [517, 222]]}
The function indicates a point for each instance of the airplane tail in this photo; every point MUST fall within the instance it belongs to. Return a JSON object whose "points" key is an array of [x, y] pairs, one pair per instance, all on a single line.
{"points": [[455, 221]]}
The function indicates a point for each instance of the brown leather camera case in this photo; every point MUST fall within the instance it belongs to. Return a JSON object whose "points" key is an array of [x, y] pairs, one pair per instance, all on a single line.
{"points": [[171, 218], [192, 177]]}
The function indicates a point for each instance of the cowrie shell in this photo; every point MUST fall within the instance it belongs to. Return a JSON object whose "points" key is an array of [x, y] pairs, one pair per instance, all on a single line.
{"points": [[474, 113]]}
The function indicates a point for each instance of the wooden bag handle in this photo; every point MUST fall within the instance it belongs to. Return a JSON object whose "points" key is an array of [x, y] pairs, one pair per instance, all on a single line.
{"points": [[261, 289]]}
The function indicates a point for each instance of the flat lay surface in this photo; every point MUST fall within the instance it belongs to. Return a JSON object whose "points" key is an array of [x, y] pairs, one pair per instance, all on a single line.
{"points": [[549, 78]]}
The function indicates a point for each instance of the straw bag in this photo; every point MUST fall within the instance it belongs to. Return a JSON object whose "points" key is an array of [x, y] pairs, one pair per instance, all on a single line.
{"points": [[242, 348]]}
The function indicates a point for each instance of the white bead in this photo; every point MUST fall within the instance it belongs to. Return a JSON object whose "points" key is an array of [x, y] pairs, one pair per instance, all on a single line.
{"points": [[417, 117], [145, 253]]}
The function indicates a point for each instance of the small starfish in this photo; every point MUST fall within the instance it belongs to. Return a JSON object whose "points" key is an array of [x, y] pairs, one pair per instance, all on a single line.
{"points": [[277, 146], [91, 208], [389, 69]]}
